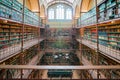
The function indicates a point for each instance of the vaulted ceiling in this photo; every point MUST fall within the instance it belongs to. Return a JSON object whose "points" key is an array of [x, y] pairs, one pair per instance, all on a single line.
{"points": [[42, 5], [49, 2], [71, 1]]}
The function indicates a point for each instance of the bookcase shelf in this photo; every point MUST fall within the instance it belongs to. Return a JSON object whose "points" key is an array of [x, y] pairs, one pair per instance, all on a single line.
{"points": [[12, 9], [109, 35], [11, 37], [30, 53], [30, 56], [107, 10], [91, 55], [108, 31], [16, 39]]}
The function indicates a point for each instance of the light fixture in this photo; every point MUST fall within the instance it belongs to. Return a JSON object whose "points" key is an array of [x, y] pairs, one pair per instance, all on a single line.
{"points": [[67, 57], [67, 54], [55, 56]]}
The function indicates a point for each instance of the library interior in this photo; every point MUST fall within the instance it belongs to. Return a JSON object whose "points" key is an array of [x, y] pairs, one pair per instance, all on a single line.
{"points": [[59, 39]]}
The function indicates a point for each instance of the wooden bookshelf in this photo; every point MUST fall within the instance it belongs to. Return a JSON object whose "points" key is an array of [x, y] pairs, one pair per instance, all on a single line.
{"points": [[107, 10], [111, 36], [13, 36], [12, 9], [89, 58], [107, 44], [104, 35], [30, 57]]}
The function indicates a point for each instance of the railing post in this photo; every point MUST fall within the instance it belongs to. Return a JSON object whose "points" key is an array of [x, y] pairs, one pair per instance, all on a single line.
{"points": [[7, 74], [22, 42], [21, 74], [97, 35], [110, 72], [39, 36], [80, 32], [22, 46], [23, 25]]}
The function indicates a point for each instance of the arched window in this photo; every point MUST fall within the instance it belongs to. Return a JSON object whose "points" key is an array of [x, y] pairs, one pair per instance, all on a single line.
{"points": [[68, 14], [60, 12], [51, 14]]}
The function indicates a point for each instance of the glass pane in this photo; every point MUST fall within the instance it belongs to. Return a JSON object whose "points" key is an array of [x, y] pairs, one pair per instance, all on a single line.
{"points": [[68, 14], [60, 12], [51, 14]]}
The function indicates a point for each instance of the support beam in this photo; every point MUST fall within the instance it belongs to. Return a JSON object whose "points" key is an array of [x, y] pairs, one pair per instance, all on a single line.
{"points": [[41, 67], [22, 43], [97, 51]]}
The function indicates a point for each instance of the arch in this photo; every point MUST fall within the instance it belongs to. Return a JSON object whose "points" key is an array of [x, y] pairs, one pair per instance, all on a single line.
{"points": [[60, 11], [42, 11], [77, 11], [34, 5], [62, 1], [87, 5]]}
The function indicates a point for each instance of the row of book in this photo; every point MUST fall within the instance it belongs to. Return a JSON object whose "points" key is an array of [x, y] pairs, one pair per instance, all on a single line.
{"points": [[12, 9], [109, 9]]}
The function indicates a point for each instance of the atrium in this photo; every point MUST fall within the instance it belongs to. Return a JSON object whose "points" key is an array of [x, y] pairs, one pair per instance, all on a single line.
{"points": [[59, 39]]}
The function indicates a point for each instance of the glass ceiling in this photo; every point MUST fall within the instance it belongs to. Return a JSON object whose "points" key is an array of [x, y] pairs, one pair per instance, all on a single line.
{"points": [[71, 1]]}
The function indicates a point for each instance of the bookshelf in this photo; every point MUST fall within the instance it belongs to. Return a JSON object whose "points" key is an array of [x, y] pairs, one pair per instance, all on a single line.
{"points": [[108, 36], [42, 45], [11, 39], [107, 43], [29, 54], [88, 18], [90, 55], [9, 35], [12, 31], [12, 9], [29, 57], [107, 10], [111, 36], [42, 33], [108, 29]]}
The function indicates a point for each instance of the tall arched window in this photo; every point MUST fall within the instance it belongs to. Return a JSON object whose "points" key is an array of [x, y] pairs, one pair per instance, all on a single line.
{"points": [[68, 14], [51, 14], [60, 12]]}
